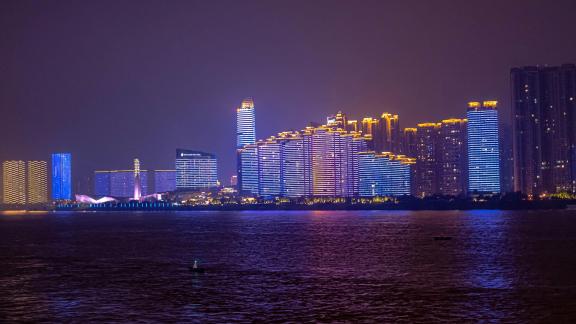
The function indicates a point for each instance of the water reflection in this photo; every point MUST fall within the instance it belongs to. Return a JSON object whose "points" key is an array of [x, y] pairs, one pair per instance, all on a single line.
{"points": [[270, 266]]}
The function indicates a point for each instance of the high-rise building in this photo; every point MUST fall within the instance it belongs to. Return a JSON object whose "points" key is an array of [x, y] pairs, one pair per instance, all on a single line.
{"points": [[384, 174], [409, 142], [245, 123], [14, 186], [270, 168], [544, 134], [195, 170], [506, 159], [370, 128], [483, 148], [352, 126], [37, 187], [452, 157], [427, 171], [61, 176], [248, 169], [335, 162], [164, 180], [389, 132], [296, 165], [337, 121]]}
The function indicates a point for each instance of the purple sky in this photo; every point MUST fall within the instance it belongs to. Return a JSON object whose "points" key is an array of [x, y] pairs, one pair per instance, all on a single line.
{"points": [[113, 80]]}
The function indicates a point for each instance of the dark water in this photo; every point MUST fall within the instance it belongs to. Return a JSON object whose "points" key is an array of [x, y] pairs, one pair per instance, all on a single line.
{"points": [[377, 266]]}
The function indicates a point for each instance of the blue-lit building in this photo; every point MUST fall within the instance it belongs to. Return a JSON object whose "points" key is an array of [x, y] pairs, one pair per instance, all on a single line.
{"points": [[61, 176], [270, 177], [384, 174], [296, 166], [164, 180], [483, 148], [245, 123], [195, 170], [248, 169], [101, 183], [118, 183]]}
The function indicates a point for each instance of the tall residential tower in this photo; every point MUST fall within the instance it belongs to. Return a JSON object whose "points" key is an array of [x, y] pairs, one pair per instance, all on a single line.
{"points": [[61, 176], [483, 147]]}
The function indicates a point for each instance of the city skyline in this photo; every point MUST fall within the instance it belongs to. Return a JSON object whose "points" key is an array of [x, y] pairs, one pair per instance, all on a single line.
{"points": [[167, 88]]}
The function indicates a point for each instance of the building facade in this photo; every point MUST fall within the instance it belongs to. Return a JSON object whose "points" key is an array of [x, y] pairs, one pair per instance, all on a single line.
{"points": [[426, 181], [384, 174], [61, 176], [452, 157], [544, 135], [195, 170], [245, 123], [483, 148], [164, 180], [14, 184], [37, 186]]}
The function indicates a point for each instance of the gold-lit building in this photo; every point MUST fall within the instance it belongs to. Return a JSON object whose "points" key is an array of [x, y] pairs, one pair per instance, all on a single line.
{"points": [[390, 133], [14, 185], [37, 188]]}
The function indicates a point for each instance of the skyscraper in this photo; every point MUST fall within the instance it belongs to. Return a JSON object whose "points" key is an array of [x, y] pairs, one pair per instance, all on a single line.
{"points": [[270, 168], [483, 148], [335, 162], [245, 123], [544, 135], [409, 142], [427, 171], [61, 176], [248, 169], [195, 170], [37, 182], [389, 131], [452, 157], [14, 186]]}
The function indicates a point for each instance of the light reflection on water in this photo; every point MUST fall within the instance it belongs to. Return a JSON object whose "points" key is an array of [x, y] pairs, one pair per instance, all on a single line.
{"points": [[293, 265]]}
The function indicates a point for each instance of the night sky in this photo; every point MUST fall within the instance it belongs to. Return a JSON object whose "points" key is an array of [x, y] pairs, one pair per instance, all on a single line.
{"points": [[109, 81]]}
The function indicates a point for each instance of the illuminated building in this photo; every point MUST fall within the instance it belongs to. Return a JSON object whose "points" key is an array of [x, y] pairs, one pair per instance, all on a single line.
{"points": [[483, 148], [101, 183], [335, 162], [269, 168], [195, 170], [544, 134], [389, 133], [369, 128], [37, 187], [452, 157], [137, 183], [384, 174], [245, 123], [296, 166], [409, 142], [337, 121], [426, 177], [119, 183], [352, 126], [248, 169], [14, 185], [164, 180], [61, 176], [234, 181]]}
